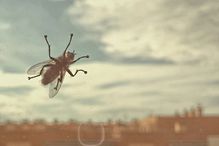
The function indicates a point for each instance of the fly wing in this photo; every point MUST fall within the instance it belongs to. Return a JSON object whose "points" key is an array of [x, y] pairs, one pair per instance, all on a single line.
{"points": [[53, 84], [35, 69]]}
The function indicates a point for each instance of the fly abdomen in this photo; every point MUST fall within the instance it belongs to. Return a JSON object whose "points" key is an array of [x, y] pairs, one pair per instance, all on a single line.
{"points": [[49, 76]]}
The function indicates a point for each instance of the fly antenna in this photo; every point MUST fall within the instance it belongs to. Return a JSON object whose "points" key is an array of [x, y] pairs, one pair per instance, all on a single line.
{"points": [[68, 44]]}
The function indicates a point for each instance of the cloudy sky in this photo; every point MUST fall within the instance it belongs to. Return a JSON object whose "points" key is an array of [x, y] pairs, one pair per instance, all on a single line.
{"points": [[146, 57]]}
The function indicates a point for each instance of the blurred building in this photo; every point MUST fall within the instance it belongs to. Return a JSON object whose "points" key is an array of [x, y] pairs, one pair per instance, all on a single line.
{"points": [[191, 128]]}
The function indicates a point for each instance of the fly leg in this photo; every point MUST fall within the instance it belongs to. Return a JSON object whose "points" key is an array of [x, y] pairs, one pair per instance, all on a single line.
{"points": [[45, 36], [71, 74], [87, 56], [41, 71], [68, 44], [59, 81]]}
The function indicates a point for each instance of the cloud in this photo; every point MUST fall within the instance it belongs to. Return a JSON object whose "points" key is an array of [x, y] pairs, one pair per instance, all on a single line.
{"points": [[91, 101], [17, 90], [213, 102], [178, 31], [4, 26], [125, 113], [111, 91], [144, 60], [214, 82], [57, 0], [114, 84], [53, 110]]}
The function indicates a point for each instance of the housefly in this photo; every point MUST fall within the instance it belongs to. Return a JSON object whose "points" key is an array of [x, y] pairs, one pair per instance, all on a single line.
{"points": [[54, 69]]}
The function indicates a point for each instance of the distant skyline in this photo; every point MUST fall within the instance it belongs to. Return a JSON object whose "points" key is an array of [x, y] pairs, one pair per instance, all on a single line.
{"points": [[145, 57]]}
